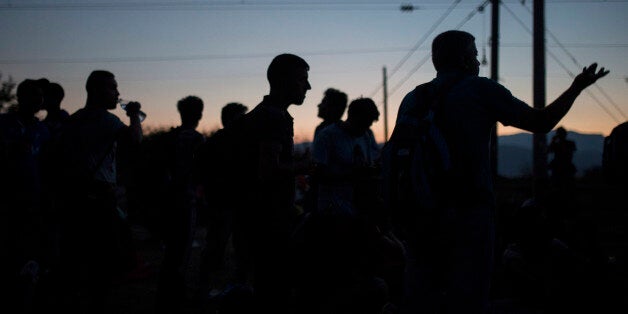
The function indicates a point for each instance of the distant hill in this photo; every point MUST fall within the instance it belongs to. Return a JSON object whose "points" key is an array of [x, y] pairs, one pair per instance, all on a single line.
{"points": [[515, 152]]}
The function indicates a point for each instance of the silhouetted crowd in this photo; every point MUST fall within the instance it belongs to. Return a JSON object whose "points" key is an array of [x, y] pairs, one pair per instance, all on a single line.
{"points": [[312, 230]]}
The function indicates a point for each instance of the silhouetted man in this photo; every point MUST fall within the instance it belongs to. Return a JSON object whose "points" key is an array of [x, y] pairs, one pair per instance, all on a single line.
{"points": [[220, 191], [86, 168], [331, 108], [342, 153], [182, 202], [55, 117], [22, 139], [265, 218], [450, 262]]}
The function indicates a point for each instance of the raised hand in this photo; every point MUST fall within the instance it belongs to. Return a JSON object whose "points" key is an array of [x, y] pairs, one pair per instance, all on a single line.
{"points": [[589, 76]]}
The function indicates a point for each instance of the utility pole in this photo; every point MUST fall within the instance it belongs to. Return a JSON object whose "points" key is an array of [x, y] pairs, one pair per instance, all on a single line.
{"points": [[494, 74], [385, 105], [540, 184]]}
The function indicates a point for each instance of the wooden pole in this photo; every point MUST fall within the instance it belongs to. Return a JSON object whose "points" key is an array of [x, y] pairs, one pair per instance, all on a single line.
{"points": [[385, 105], [494, 75], [539, 139]]}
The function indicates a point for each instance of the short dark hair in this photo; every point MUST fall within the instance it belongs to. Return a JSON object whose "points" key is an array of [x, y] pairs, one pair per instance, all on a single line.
{"points": [[190, 105], [43, 83], [27, 86], [231, 111], [54, 91], [97, 78], [448, 47], [337, 99], [363, 107], [284, 65]]}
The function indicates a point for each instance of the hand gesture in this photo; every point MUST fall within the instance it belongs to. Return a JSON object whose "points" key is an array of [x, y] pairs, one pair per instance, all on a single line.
{"points": [[589, 76]]}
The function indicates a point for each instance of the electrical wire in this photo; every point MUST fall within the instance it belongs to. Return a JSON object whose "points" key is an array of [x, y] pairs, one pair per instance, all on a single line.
{"points": [[426, 58], [559, 62], [418, 44], [575, 61], [196, 57]]}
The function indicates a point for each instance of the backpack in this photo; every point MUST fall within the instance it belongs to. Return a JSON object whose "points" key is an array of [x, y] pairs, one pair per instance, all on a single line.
{"points": [[416, 162]]}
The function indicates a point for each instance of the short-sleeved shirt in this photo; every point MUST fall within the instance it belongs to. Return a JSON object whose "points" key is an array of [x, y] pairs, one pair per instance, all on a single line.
{"points": [[90, 143], [467, 116], [274, 193], [339, 152]]}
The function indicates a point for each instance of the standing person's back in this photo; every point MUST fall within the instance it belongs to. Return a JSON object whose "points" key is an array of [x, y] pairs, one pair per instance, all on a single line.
{"points": [[216, 166], [179, 217], [450, 260]]}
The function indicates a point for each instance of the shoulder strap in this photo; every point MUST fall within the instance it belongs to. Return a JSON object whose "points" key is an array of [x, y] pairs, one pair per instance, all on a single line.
{"points": [[433, 95]]}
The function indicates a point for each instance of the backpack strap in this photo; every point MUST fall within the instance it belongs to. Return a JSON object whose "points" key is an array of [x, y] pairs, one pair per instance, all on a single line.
{"points": [[435, 94]]}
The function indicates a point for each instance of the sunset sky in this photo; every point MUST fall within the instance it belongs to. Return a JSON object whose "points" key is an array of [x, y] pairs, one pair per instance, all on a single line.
{"points": [[164, 50]]}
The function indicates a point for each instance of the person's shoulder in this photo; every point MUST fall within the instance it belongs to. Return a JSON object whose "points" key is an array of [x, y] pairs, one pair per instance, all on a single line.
{"points": [[191, 134], [324, 125], [331, 130], [483, 82], [112, 120]]}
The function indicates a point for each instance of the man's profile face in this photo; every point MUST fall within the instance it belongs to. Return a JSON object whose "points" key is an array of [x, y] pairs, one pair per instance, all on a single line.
{"points": [[299, 86], [323, 108], [109, 93], [471, 63]]}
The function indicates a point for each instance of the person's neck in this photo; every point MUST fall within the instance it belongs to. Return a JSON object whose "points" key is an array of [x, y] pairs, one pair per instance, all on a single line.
{"points": [[188, 126], [278, 101], [351, 129], [90, 104]]}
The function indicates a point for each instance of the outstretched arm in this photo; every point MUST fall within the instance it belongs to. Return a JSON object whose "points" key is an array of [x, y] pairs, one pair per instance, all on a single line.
{"points": [[543, 120]]}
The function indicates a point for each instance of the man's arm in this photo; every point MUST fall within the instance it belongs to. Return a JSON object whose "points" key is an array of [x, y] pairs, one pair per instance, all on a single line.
{"points": [[135, 133], [543, 120]]}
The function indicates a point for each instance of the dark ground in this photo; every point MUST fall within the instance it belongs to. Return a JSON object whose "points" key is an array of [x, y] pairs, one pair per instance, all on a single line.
{"points": [[596, 228]]}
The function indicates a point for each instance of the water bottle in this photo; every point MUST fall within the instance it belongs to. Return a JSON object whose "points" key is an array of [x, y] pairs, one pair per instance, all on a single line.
{"points": [[123, 104]]}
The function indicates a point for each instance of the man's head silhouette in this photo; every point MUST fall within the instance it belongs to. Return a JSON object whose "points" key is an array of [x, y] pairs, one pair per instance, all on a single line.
{"points": [[288, 78], [455, 51]]}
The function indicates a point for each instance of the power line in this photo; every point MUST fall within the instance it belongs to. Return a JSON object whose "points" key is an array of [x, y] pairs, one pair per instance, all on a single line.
{"points": [[572, 45], [426, 58], [216, 5], [419, 43], [195, 57], [305, 5], [575, 61], [559, 62]]}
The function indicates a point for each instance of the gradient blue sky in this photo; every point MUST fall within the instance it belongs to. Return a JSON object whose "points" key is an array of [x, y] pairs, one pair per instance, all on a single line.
{"points": [[162, 51]]}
